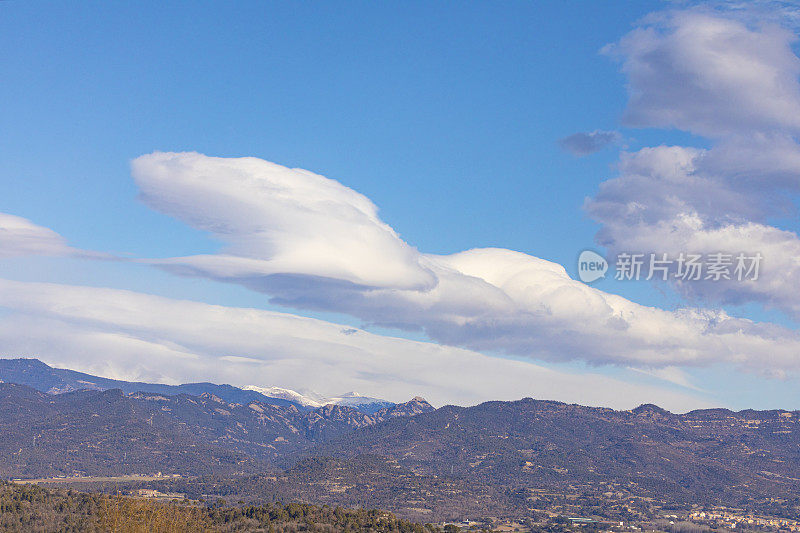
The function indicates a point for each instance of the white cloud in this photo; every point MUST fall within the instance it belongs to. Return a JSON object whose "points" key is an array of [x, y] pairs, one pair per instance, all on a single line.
{"points": [[130, 335], [736, 81], [699, 71], [19, 236], [277, 220], [484, 299], [670, 374], [310, 242], [666, 201]]}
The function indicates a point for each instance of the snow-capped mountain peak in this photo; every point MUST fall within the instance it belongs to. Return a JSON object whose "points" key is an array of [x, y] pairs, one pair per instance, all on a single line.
{"points": [[313, 400]]}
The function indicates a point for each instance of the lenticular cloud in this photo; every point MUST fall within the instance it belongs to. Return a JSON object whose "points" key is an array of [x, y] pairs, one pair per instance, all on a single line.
{"points": [[19, 236], [277, 220], [310, 242]]}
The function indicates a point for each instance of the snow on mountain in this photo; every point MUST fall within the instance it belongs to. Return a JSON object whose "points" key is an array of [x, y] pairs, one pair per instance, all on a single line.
{"points": [[362, 403], [314, 400]]}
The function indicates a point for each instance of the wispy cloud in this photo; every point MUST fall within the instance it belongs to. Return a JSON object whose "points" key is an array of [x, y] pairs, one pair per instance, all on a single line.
{"points": [[136, 336], [670, 374], [21, 237]]}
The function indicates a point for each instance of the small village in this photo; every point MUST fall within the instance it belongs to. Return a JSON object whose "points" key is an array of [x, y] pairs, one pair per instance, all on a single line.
{"points": [[738, 520]]}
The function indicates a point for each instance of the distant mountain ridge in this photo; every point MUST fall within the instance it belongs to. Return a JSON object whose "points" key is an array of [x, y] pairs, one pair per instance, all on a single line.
{"points": [[713, 455], [521, 453], [105, 432], [313, 400], [44, 378]]}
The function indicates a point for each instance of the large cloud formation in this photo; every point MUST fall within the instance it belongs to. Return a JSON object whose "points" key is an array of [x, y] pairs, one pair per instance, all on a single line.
{"points": [[278, 224], [306, 224], [734, 80], [310, 242], [136, 336]]}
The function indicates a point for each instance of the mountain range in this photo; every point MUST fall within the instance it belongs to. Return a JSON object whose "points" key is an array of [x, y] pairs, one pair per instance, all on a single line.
{"points": [[44, 378], [710, 455], [409, 458], [108, 432], [313, 400]]}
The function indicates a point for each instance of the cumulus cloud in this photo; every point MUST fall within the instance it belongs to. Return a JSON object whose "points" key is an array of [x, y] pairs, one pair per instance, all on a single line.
{"points": [[736, 82], [703, 72], [135, 336], [491, 300], [673, 200], [585, 143]]}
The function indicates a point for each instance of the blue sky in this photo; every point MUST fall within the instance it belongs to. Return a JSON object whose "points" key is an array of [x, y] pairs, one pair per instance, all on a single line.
{"points": [[446, 115], [454, 110]]}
